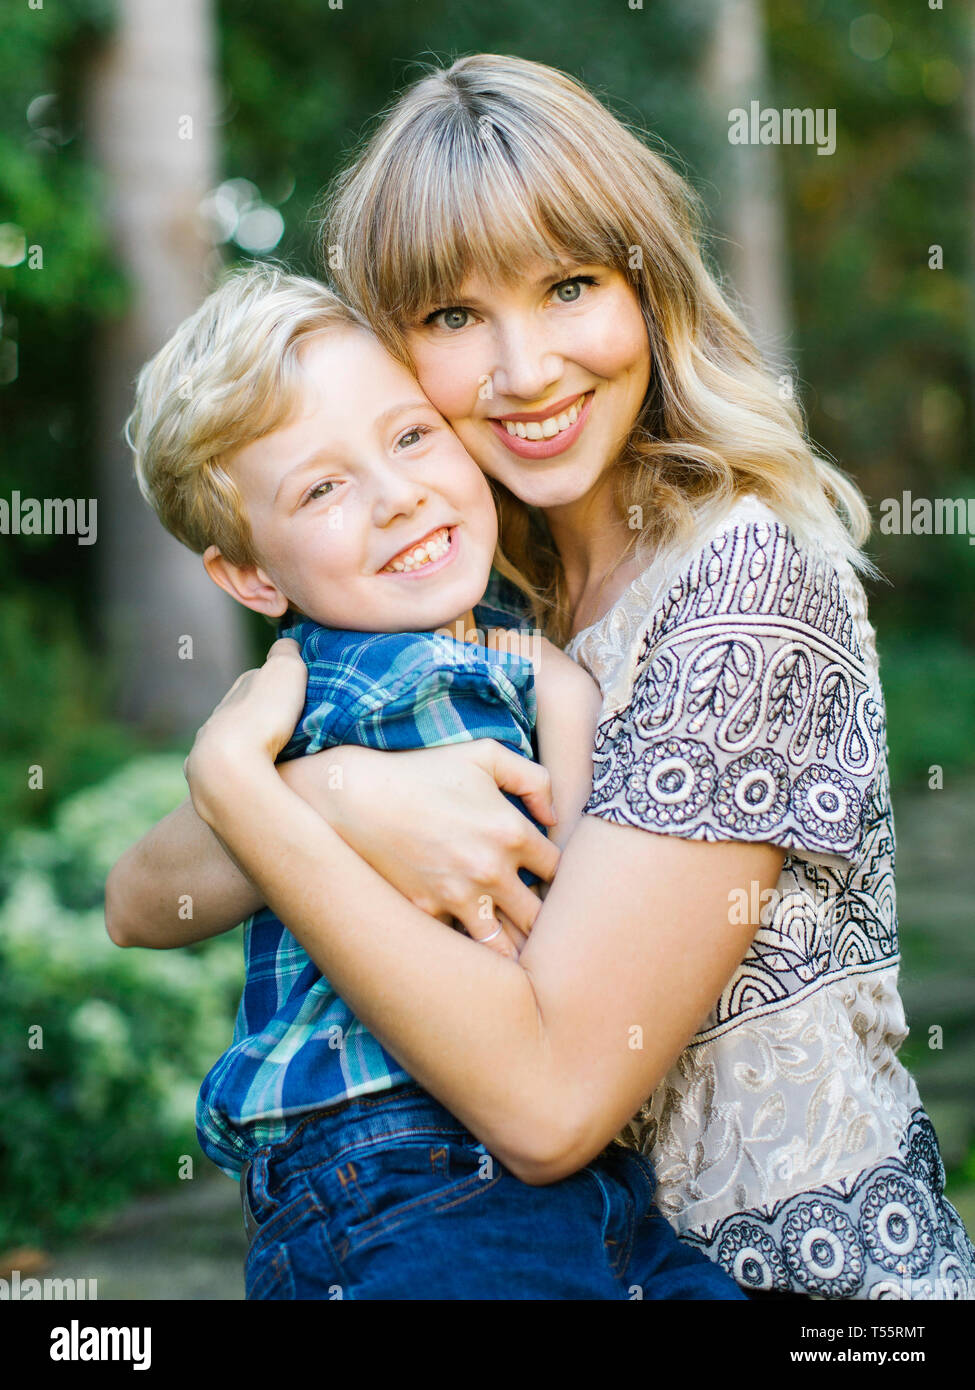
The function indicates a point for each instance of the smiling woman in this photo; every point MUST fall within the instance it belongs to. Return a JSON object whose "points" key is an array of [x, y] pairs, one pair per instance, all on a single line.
{"points": [[547, 274], [578, 346]]}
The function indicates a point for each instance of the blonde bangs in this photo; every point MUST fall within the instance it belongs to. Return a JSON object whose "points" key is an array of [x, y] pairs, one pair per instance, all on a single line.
{"points": [[500, 219]]}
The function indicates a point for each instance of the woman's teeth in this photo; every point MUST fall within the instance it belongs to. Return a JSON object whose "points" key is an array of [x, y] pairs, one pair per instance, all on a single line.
{"points": [[545, 429], [433, 549]]}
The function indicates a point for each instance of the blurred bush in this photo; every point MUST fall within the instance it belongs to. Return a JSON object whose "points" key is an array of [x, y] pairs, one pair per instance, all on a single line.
{"points": [[101, 1050], [929, 691], [53, 711]]}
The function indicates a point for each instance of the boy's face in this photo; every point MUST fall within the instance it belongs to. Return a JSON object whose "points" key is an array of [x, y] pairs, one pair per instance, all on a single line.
{"points": [[340, 498]]}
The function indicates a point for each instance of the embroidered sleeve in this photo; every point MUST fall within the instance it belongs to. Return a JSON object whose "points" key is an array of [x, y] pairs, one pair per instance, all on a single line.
{"points": [[752, 715]]}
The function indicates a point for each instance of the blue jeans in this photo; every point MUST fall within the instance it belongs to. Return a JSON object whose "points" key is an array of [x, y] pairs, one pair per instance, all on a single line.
{"points": [[390, 1197]]}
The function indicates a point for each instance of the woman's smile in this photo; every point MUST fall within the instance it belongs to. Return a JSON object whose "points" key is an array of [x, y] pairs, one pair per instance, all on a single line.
{"points": [[540, 434]]}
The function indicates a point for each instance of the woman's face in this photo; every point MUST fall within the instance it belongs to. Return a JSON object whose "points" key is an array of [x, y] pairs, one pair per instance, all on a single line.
{"points": [[542, 378]]}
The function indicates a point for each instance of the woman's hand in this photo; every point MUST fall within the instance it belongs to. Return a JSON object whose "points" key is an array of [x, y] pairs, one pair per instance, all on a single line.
{"points": [[434, 824], [251, 724]]}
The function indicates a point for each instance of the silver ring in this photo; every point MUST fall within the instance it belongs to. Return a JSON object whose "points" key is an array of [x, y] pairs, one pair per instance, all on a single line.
{"points": [[497, 932]]}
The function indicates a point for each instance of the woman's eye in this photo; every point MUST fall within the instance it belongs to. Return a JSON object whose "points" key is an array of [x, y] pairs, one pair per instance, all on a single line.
{"points": [[569, 291], [449, 318]]}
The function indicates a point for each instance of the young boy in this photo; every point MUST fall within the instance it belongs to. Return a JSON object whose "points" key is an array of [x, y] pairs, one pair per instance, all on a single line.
{"points": [[275, 435]]}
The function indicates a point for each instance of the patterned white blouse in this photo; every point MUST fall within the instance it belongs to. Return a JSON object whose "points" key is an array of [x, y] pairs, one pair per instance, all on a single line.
{"points": [[741, 701]]}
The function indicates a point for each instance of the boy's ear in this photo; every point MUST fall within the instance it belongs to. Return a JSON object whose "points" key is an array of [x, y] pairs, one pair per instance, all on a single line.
{"points": [[247, 584]]}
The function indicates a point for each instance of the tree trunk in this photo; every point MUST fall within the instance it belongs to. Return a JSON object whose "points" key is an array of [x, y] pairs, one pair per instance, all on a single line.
{"points": [[151, 100], [749, 214]]}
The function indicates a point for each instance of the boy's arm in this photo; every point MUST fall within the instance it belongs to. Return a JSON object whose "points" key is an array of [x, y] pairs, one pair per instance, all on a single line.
{"points": [[178, 884], [175, 886]]}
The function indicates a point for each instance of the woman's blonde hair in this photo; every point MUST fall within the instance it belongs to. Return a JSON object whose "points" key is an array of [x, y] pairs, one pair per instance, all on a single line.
{"points": [[495, 161], [229, 375]]}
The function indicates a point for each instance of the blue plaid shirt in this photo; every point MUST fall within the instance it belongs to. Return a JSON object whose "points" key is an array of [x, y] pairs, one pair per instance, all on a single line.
{"points": [[296, 1046]]}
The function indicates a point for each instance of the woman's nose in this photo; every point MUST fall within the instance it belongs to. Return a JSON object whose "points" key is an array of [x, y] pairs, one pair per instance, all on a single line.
{"points": [[527, 365]]}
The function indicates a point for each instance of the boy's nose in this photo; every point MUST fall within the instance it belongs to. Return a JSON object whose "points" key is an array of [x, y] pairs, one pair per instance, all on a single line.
{"points": [[397, 495]]}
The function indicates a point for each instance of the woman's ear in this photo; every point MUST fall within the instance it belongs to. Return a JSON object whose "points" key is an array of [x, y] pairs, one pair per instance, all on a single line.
{"points": [[247, 584]]}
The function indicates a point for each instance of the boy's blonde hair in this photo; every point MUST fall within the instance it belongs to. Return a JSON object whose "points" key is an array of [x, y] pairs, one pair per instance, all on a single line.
{"points": [[494, 161], [227, 376]]}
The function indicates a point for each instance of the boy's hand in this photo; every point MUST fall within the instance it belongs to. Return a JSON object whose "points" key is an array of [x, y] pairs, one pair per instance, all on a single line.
{"points": [[252, 722]]}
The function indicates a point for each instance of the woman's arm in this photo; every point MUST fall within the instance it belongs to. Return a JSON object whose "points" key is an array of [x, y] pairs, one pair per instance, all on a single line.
{"points": [[544, 1059], [469, 843], [568, 703]]}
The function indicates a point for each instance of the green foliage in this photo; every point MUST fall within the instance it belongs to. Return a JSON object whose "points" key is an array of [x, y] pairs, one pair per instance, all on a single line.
{"points": [[106, 1105], [303, 81], [885, 344], [52, 700], [929, 690], [51, 197]]}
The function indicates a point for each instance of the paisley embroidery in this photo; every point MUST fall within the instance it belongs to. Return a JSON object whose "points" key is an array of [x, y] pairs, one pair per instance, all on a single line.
{"points": [[742, 702]]}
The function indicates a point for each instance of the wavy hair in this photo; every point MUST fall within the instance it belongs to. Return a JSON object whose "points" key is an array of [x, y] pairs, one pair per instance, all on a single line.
{"points": [[493, 162]]}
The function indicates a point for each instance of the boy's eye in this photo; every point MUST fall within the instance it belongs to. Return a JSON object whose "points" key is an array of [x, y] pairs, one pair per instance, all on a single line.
{"points": [[411, 437], [319, 490], [452, 318]]}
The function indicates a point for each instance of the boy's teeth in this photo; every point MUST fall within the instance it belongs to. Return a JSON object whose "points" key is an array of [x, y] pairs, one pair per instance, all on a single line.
{"points": [[433, 549], [545, 429]]}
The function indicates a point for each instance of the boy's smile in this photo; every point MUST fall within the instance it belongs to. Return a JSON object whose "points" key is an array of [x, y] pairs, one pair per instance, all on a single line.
{"points": [[434, 550], [364, 515]]}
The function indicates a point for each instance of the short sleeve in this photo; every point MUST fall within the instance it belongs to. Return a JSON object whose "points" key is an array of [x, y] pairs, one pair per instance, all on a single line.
{"points": [[408, 690], [752, 714], [441, 691]]}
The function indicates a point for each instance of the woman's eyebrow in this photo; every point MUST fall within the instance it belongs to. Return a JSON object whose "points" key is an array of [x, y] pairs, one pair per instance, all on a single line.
{"points": [[557, 269]]}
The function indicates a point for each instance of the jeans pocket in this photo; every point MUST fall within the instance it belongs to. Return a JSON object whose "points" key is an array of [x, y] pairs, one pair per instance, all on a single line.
{"points": [[269, 1276], [267, 1262], [394, 1184]]}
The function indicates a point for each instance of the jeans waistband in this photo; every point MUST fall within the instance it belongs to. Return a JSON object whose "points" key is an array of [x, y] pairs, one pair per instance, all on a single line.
{"points": [[346, 1128]]}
